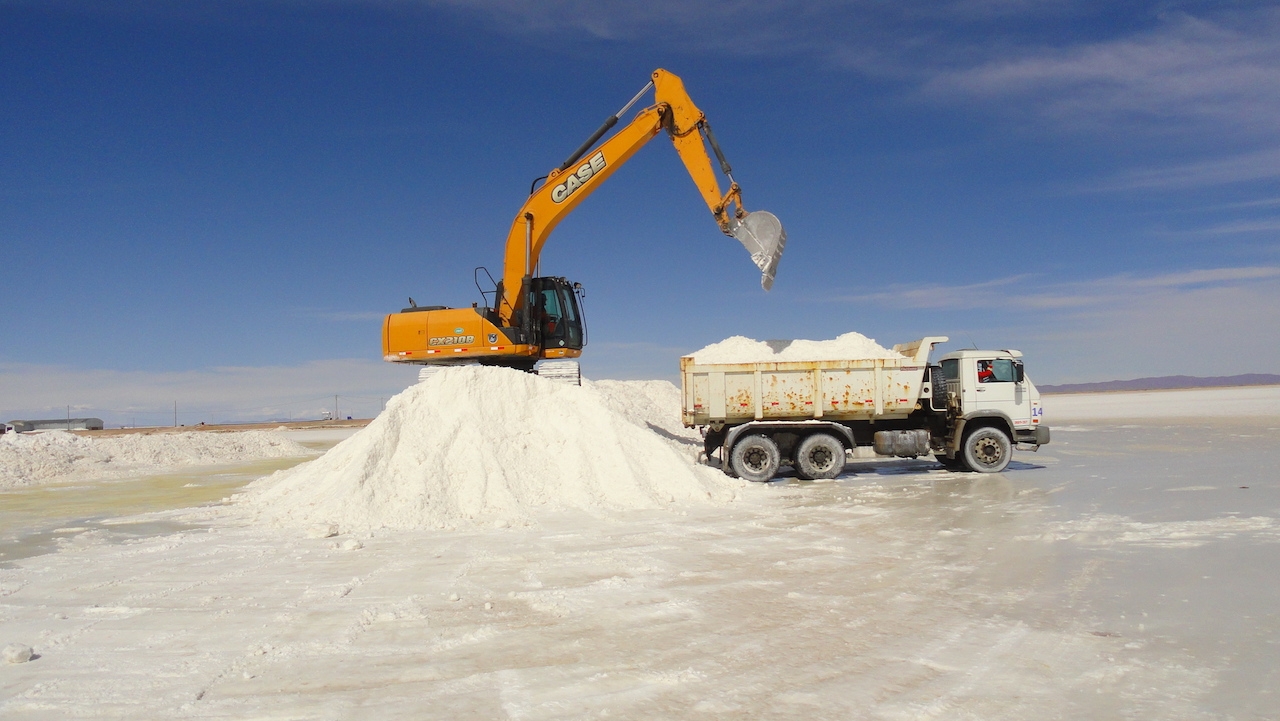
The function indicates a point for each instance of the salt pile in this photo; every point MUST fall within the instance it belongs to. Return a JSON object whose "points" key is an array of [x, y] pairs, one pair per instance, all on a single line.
{"points": [[654, 405], [30, 459], [740, 349], [494, 446]]}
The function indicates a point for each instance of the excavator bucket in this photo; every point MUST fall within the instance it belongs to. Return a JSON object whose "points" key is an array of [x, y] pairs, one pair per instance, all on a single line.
{"points": [[761, 233]]}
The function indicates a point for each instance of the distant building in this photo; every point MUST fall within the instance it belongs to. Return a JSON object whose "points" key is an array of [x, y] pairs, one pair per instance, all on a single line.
{"points": [[56, 424]]}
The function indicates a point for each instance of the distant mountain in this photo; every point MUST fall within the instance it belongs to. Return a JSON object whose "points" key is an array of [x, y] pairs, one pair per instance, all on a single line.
{"points": [[1166, 383]]}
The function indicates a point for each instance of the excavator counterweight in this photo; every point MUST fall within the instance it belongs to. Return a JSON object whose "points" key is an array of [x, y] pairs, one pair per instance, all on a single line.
{"points": [[537, 318]]}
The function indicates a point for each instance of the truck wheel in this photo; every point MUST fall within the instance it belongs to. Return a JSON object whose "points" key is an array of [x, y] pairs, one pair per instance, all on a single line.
{"points": [[987, 450], [819, 456], [951, 464], [755, 458]]}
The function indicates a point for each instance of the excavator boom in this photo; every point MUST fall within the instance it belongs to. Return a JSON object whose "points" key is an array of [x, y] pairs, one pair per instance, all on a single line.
{"points": [[570, 184]]}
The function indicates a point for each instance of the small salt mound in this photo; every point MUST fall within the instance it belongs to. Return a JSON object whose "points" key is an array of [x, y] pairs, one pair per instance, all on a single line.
{"points": [[488, 446], [199, 448], [740, 349], [30, 459], [60, 456]]}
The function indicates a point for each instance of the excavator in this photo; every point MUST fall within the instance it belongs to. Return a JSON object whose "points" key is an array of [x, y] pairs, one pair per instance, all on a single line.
{"points": [[537, 321]]}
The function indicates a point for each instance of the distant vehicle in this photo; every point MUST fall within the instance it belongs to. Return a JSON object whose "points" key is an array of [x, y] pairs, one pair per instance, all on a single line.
{"points": [[969, 411]]}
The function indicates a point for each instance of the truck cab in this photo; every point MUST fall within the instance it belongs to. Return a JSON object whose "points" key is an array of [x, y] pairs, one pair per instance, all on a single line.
{"points": [[990, 389]]}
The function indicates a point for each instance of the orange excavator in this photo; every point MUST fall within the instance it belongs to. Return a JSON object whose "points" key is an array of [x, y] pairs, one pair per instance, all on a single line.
{"points": [[534, 319]]}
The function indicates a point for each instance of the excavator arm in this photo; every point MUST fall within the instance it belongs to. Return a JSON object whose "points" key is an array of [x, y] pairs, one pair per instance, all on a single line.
{"points": [[584, 171], [538, 319]]}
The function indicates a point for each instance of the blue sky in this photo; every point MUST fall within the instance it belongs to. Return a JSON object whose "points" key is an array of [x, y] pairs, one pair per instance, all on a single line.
{"points": [[215, 203]]}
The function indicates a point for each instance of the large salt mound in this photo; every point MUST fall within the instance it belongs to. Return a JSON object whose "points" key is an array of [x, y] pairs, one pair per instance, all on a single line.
{"points": [[493, 446], [740, 349], [30, 459], [654, 405]]}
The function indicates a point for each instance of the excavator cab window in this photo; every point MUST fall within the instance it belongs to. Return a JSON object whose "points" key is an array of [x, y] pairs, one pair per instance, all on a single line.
{"points": [[572, 318], [552, 315], [557, 313]]}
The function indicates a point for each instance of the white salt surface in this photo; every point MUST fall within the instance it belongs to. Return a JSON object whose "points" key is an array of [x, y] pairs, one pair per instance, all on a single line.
{"points": [[740, 349], [58, 456], [1073, 586], [492, 446], [317, 435], [1106, 529], [1244, 402]]}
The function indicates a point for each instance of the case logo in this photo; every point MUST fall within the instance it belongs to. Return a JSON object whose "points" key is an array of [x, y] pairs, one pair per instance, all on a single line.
{"points": [[579, 177]]}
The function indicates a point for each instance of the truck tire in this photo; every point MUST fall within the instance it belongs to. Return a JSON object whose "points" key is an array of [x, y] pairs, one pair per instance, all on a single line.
{"points": [[819, 456], [755, 458], [951, 464], [987, 450]]}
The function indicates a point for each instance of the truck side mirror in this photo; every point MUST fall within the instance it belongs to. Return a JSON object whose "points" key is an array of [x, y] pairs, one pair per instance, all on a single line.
{"points": [[1019, 373]]}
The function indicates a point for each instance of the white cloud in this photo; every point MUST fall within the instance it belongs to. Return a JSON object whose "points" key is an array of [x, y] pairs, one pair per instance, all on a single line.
{"points": [[1206, 84], [1263, 203], [1207, 331], [1268, 225], [1026, 291], [1198, 277], [605, 20], [1214, 321], [1202, 87], [981, 294], [1184, 74], [1234, 168]]}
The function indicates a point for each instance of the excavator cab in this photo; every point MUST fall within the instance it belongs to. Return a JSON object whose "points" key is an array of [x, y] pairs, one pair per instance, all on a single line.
{"points": [[557, 316]]}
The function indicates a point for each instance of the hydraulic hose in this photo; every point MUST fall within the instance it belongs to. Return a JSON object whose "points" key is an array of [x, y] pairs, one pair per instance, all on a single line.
{"points": [[611, 121]]}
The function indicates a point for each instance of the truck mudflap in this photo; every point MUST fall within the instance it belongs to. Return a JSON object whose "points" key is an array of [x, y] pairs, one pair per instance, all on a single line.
{"points": [[1032, 437]]}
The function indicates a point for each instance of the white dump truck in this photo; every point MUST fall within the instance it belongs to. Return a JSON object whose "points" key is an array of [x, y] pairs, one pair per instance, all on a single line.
{"points": [[969, 410]]}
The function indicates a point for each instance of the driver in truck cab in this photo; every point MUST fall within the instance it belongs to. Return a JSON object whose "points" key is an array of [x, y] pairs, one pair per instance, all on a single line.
{"points": [[985, 372]]}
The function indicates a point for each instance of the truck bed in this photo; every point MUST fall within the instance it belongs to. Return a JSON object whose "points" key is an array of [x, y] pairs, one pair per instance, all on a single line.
{"points": [[837, 390]]}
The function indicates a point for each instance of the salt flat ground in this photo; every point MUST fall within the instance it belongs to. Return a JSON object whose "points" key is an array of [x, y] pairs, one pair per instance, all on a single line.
{"points": [[1128, 570]]}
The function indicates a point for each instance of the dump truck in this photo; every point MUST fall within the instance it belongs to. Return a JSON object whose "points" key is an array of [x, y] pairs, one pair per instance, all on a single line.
{"points": [[970, 410]]}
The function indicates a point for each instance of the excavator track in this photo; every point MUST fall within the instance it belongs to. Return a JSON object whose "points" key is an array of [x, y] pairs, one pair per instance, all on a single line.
{"points": [[561, 371]]}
